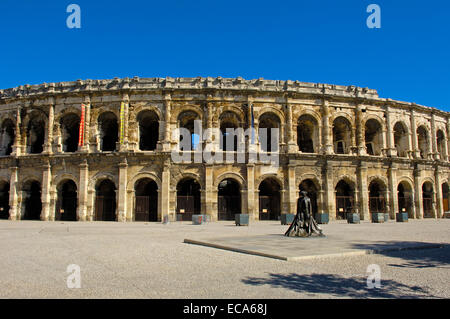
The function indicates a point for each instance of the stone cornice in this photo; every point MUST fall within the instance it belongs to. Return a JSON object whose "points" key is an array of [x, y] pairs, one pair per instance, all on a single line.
{"points": [[136, 84]]}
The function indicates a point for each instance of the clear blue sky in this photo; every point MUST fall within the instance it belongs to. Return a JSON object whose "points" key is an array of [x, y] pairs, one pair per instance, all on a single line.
{"points": [[324, 41]]}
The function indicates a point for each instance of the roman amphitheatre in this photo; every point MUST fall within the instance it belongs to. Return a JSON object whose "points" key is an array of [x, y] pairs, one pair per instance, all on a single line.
{"points": [[100, 150]]}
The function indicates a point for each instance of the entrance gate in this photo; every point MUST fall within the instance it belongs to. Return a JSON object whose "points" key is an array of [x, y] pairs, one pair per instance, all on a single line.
{"points": [[105, 208], [146, 209]]}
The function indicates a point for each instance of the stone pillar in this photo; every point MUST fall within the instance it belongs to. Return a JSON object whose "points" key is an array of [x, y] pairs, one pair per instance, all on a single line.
{"points": [[16, 149], [165, 194], [328, 186], [167, 132], [251, 192], [292, 147], [435, 154], [123, 147], [292, 190], [363, 191], [391, 150], [87, 124], [439, 212], [45, 192], [83, 191], [418, 193], [392, 175], [416, 151], [122, 192], [327, 132], [448, 139], [209, 193], [49, 135], [359, 138], [14, 211]]}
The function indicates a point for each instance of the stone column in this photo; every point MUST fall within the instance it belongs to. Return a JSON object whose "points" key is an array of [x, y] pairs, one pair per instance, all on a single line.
{"points": [[292, 190], [435, 154], [392, 175], [165, 193], [292, 147], [123, 147], [14, 212], [251, 191], [363, 191], [418, 193], [16, 149], [209, 193], [391, 150], [448, 139], [83, 191], [416, 151], [45, 189], [122, 191], [167, 132], [49, 136], [327, 132], [359, 138], [439, 212], [330, 200]]}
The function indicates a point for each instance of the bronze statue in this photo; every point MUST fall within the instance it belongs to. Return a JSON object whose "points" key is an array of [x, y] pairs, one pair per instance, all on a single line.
{"points": [[304, 224]]}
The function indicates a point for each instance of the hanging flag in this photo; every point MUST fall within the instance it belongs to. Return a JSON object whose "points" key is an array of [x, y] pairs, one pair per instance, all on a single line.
{"points": [[122, 122], [81, 132]]}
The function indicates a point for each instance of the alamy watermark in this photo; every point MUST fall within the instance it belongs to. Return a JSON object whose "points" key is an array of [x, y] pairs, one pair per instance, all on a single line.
{"points": [[74, 19], [374, 19], [74, 278], [234, 147], [374, 278]]}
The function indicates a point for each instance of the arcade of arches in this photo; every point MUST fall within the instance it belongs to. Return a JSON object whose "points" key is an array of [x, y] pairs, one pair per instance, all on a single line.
{"points": [[352, 151]]}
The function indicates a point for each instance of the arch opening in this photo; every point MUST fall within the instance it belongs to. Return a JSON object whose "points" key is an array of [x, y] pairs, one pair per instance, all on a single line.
{"points": [[7, 137], [188, 198], [422, 141], [109, 131], [229, 122], [66, 209], [401, 140], [308, 186], [307, 134], [35, 135], [269, 199], [342, 135], [405, 199], [105, 201], [148, 130], [427, 200], [4, 200], [229, 199], [440, 142], [269, 132], [146, 205], [31, 193], [377, 198], [373, 137], [344, 199], [187, 120], [70, 125], [446, 197]]}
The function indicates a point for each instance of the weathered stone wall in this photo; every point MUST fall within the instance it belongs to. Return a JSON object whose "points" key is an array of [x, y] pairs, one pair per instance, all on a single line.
{"points": [[414, 157]]}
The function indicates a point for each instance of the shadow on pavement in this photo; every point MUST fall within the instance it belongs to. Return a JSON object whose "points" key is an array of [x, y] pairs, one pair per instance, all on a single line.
{"points": [[338, 286], [428, 257]]}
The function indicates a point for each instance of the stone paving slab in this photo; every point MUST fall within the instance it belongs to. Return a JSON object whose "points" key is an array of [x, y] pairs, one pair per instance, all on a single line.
{"points": [[298, 249]]}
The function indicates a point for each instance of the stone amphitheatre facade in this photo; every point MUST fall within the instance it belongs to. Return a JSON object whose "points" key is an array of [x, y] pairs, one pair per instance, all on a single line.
{"points": [[350, 149]]}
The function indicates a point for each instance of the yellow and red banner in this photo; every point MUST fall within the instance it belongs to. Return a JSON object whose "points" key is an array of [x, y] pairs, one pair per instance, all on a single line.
{"points": [[81, 134]]}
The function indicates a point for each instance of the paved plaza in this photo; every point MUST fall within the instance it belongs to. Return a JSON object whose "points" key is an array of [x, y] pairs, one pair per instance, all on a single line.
{"points": [[153, 260]]}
